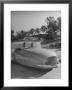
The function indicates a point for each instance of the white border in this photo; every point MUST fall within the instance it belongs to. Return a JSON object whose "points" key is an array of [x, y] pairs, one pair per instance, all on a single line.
{"points": [[64, 8]]}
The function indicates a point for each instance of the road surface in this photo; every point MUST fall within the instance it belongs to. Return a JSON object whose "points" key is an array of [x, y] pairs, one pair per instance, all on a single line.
{"points": [[19, 71]]}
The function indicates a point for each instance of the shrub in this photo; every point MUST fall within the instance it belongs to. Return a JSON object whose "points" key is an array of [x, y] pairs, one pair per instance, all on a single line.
{"points": [[17, 49]]}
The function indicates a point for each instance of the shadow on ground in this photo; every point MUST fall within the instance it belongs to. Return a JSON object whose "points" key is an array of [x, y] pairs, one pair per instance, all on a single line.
{"points": [[20, 71]]}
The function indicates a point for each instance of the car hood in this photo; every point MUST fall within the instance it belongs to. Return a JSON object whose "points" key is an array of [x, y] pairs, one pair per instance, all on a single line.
{"points": [[45, 52]]}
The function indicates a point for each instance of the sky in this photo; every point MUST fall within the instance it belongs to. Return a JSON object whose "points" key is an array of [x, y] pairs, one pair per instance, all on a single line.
{"points": [[25, 20]]}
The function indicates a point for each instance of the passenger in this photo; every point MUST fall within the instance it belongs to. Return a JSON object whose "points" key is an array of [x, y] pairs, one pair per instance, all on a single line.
{"points": [[32, 44], [24, 44]]}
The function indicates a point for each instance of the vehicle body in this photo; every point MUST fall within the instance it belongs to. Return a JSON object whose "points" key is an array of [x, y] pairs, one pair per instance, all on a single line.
{"points": [[36, 57]]}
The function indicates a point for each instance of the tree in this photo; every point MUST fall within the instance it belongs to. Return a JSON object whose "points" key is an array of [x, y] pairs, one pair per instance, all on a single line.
{"points": [[23, 34], [18, 36], [59, 23], [31, 31], [53, 25], [43, 28], [37, 30], [12, 35], [51, 35], [12, 31]]}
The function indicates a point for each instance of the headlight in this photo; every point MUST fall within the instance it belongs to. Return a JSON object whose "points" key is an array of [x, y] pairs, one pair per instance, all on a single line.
{"points": [[52, 61]]}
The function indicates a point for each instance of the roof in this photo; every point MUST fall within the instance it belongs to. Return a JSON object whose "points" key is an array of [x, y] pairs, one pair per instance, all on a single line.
{"points": [[40, 35]]}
